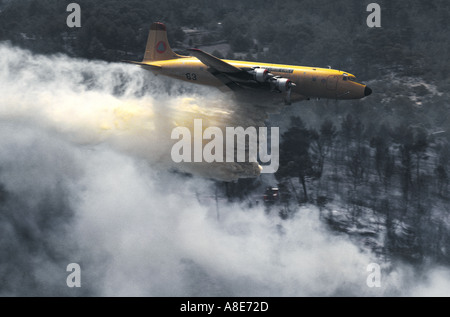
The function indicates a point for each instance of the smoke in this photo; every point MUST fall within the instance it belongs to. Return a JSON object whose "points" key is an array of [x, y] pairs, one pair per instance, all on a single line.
{"points": [[84, 178], [130, 109]]}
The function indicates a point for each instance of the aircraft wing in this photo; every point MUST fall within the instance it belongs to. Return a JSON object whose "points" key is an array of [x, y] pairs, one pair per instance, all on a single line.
{"points": [[214, 62], [240, 79], [231, 76]]}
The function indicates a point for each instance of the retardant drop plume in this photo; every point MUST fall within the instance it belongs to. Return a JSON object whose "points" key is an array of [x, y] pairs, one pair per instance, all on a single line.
{"points": [[84, 178], [122, 105]]}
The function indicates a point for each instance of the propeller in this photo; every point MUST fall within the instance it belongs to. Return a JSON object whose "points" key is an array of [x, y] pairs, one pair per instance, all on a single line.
{"points": [[277, 83], [287, 101]]}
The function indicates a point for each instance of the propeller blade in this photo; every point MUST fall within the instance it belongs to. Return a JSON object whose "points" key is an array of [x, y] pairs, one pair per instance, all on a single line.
{"points": [[287, 101]]}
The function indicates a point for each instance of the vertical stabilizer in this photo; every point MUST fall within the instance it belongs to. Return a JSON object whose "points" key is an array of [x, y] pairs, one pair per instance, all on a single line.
{"points": [[158, 48]]}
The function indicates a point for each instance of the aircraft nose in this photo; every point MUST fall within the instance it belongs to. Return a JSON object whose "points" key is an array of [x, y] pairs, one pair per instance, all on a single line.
{"points": [[367, 91]]}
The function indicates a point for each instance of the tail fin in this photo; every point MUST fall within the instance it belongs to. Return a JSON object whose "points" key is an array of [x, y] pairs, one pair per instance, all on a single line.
{"points": [[158, 48]]}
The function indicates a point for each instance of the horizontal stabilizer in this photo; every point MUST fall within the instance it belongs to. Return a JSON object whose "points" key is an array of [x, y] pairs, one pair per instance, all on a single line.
{"points": [[144, 65]]}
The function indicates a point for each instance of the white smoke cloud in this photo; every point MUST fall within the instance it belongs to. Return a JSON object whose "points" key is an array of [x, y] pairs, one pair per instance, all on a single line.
{"points": [[84, 178], [120, 104]]}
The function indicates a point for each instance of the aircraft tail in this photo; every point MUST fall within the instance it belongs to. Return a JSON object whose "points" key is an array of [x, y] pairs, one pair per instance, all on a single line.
{"points": [[158, 48]]}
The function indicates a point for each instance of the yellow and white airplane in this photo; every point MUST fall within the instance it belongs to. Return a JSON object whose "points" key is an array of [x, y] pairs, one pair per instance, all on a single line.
{"points": [[258, 81]]}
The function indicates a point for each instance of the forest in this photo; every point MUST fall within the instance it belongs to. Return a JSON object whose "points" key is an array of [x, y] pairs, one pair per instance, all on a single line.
{"points": [[411, 41], [386, 158]]}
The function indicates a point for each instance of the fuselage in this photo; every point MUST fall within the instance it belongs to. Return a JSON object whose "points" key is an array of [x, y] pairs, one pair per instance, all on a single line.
{"points": [[310, 82]]}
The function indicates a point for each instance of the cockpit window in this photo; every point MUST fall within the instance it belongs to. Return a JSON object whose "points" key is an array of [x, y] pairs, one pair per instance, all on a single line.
{"points": [[346, 76]]}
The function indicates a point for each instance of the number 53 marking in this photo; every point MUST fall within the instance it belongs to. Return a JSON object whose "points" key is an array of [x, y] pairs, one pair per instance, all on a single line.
{"points": [[191, 76]]}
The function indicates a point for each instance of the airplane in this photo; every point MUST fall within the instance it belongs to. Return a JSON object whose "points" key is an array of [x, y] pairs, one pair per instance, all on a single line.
{"points": [[254, 80]]}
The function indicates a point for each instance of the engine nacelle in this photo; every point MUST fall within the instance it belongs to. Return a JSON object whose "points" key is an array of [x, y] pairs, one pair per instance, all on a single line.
{"points": [[283, 84], [261, 75]]}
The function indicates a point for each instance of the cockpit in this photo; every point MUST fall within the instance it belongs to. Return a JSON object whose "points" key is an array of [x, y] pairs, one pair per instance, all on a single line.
{"points": [[349, 77], [346, 77]]}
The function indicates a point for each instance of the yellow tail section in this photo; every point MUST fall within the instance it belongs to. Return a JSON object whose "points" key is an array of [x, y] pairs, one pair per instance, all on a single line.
{"points": [[158, 48]]}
